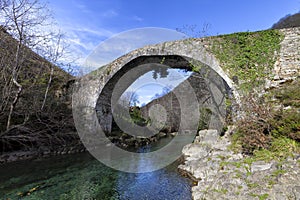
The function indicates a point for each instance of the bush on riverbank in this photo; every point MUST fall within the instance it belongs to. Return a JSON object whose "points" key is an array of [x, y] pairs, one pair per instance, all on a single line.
{"points": [[271, 125]]}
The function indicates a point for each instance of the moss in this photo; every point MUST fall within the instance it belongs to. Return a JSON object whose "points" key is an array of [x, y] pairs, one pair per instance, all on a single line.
{"points": [[238, 175], [223, 164], [222, 190], [290, 96], [221, 157], [228, 102], [252, 185], [260, 197], [247, 57], [236, 143], [278, 172], [263, 196], [237, 164], [287, 124]]}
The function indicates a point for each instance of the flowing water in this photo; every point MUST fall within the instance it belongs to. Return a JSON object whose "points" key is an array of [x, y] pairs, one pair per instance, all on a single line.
{"points": [[80, 176]]}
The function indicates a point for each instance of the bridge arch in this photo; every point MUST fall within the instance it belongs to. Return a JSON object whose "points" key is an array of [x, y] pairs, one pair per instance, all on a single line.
{"points": [[93, 91]]}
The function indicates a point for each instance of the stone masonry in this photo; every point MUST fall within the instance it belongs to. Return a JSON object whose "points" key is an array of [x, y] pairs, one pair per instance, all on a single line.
{"points": [[287, 66]]}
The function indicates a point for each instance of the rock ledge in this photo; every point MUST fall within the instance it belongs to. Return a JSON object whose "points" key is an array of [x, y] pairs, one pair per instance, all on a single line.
{"points": [[223, 174]]}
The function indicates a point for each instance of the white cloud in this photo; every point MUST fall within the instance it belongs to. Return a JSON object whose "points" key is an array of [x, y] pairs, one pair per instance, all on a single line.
{"points": [[136, 18], [83, 40], [98, 32], [144, 99], [127, 41], [109, 13], [146, 87], [82, 7]]}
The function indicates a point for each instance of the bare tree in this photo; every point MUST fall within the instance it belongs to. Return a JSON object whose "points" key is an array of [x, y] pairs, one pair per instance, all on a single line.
{"points": [[128, 99], [53, 53], [29, 23], [165, 90], [195, 31]]}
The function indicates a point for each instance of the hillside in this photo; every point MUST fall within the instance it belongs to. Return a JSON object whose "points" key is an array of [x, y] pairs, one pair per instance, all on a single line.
{"points": [[289, 21], [211, 113], [33, 126]]}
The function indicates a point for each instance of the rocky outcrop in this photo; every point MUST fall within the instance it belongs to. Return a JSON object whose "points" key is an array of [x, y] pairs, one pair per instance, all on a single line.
{"points": [[223, 174]]}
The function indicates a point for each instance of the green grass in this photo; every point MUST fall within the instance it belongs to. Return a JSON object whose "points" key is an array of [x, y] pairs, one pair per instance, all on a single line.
{"points": [[252, 185], [280, 149], [261, 197]]}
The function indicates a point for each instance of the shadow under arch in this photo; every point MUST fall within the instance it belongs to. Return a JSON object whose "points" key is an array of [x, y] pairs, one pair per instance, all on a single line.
{"points": [[210, 88]]}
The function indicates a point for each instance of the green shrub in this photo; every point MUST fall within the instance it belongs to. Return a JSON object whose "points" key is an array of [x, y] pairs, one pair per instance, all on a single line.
{"points": [[266, 132], [286, 124]]}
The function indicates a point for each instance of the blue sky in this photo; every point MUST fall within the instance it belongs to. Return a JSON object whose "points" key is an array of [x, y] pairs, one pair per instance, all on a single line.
{"points": [[145, 87], [89, 26], [88, 22]]}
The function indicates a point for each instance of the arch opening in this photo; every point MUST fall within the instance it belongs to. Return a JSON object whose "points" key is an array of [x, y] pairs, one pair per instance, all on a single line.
{"points": [[211, 90]]}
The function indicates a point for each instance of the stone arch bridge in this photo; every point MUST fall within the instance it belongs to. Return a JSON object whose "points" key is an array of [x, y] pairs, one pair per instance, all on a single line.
{"points": [[95, 90]]}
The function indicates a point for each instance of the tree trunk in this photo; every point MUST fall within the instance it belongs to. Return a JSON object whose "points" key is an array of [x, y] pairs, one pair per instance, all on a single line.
{"points": [[48, 86], [13, 105], [14, 80]]}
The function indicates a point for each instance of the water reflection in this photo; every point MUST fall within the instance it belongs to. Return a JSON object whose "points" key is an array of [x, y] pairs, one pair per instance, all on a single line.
{"points": [[80, 176], [160, 184]]}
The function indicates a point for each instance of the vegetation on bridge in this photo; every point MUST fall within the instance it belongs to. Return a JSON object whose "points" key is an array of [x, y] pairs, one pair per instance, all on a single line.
{"points": [[248, 57], [270, 126]]}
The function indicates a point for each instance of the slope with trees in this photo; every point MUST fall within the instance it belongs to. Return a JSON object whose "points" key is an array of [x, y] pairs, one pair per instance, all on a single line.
{"points": [[35, 110]]}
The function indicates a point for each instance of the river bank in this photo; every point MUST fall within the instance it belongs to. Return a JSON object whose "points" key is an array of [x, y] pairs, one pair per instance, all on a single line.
{"points": [[45, 152], [224, 174], [120, 139]]}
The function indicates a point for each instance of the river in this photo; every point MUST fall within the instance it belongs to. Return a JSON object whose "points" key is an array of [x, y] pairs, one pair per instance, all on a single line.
{"points": [[80, 176]]}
